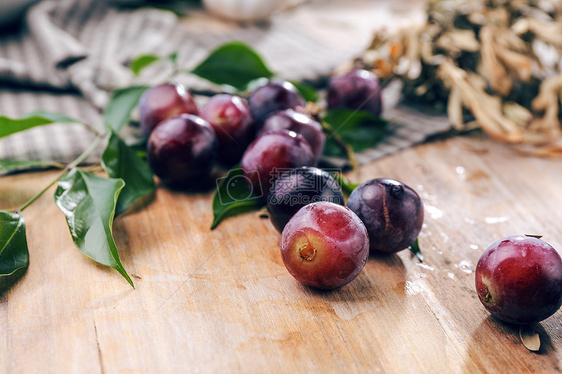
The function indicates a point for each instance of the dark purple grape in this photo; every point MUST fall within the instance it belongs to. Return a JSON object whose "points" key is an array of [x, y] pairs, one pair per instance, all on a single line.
{"points": [[272, 97], [300, 187], [356, 90], [325, 245], [230, 117], [274, 153], [301, 124], [161, 102], [182, 150], [391, 211]]}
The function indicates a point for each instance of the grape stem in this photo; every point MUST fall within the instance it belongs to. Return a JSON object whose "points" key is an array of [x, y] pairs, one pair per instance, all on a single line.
{"points": [[66, 170], [346, 147]]}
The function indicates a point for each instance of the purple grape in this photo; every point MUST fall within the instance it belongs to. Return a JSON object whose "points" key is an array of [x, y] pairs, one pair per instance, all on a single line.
{"points": [[391, 211], [271, 154], [230, 117], [300, 123], [272, 97], [161, 102], [182, 150], [356, 90], [300, 187]]}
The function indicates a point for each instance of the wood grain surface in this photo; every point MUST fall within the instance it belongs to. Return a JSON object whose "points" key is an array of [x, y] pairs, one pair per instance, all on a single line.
{"points": [[221, 301]]}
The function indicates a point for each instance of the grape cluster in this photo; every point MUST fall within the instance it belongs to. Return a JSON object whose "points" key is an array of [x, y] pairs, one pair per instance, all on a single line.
{"points": [[267, 132], [324, 244], [263, 133]]}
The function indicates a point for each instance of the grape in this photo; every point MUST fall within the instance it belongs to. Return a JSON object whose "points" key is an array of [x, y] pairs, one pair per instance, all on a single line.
{"points": [[300, 187], [300, 123], [272, 97], [356, 90], [230, 117], [519, 279], [182, 150], [272, 154], [325, 245], [391, 211], [161, 102]]}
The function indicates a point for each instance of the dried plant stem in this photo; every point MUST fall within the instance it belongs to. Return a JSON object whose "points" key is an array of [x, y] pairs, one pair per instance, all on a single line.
{"points": [[475, 55], [477, 101]]}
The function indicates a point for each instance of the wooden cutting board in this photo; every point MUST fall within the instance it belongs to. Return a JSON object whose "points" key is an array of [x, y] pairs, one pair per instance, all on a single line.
{"points": [[221, 301]]}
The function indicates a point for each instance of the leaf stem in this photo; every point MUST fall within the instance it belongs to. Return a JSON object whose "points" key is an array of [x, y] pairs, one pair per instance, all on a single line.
{"points": [[346, 147], [38, 195], [66, 170], [58, 165], [86, 153], [91, 129]]}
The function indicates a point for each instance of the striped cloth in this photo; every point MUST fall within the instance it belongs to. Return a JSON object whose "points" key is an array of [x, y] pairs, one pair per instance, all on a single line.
{"points": [[74, 52]]}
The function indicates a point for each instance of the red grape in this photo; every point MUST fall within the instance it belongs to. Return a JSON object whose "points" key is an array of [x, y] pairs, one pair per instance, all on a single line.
{"points": [[519, 279], [272, 154], [182, 149], [164, 101], [325, 245], [230, 117]]}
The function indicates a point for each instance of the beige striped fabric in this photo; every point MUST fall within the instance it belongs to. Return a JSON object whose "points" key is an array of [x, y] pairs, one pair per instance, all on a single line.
{"points": [[72, 53]]}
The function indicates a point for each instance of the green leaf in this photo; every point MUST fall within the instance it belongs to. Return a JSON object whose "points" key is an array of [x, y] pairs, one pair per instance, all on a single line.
{"points": [[13, 165], [120, 161], [173, 57], [13, 243], [307, 91], [121, 103], [141, 62], [88, 202], [234, 64], [9, 126], [360, 129], [233, 197], [415, 249], [346, 186]]}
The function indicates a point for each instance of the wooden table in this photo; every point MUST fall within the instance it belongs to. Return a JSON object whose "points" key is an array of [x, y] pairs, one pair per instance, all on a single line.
{"points": [[221, 301]]}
